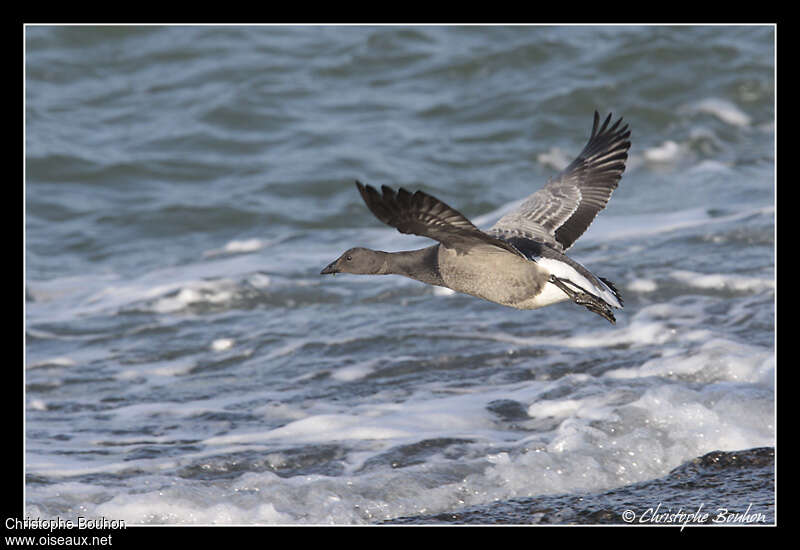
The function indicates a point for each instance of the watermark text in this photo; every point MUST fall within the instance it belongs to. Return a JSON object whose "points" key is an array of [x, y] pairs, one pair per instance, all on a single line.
{"points": [[663, 515]]}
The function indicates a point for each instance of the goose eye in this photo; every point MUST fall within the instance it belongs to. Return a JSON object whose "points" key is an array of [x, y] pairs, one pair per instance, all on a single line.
{"points": [[348, 258]]}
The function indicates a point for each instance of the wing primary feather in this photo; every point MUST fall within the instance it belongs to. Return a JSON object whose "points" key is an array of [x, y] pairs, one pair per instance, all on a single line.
{"points": [[562, 210]]}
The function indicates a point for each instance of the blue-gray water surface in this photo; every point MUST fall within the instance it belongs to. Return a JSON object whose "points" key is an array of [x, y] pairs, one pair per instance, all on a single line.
{"points": [[186, 363]]}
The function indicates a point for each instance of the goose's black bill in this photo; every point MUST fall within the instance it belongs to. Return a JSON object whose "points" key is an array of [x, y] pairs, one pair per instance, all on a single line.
{"points": [[330, 269]]}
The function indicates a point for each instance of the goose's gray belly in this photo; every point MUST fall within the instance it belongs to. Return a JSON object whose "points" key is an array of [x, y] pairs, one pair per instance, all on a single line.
{"points": [[499, 277]]}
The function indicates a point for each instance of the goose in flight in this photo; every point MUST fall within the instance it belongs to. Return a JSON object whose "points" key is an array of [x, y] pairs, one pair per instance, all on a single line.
{"points": [[519, 262]]}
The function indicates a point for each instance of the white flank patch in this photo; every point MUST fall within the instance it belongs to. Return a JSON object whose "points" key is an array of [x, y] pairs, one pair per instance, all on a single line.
{"points": [[567, 272]]}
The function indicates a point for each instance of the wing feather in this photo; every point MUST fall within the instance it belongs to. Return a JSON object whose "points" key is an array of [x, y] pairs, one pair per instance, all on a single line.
{"points": [[425, 215], [562, 210]]}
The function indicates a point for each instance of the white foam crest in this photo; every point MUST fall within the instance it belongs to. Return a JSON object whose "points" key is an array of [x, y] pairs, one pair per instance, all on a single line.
{"points": [[135, 415], [637, 333], [669, 151], [554, 408], [641, 285], [291, 345], [259, 280], [723, 109], [222, 344], [607, 227], [239, 247], [179, 506], [185, 409], [717, 417], [643, 329], [653, 324], [60, 288], [277, 410], [168, 290], [194, 292], [156, 370], [710, 165], [720, 281], [356, 371], [37, 405], [289, 348], [715, 360], [404, 422], [555, 158], [52, 362], [66, 466], [639, 440]]}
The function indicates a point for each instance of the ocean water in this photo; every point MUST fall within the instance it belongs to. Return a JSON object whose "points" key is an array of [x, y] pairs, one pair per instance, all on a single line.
{"points": [[187, 364]]}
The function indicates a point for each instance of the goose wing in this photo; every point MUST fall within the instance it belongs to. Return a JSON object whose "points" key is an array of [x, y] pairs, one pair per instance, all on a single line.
{"points": [[560, 212], [422, 214]]}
